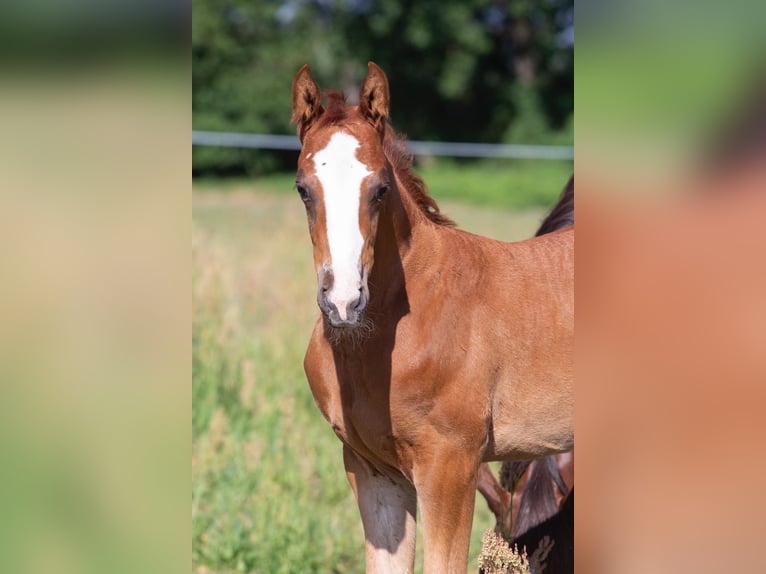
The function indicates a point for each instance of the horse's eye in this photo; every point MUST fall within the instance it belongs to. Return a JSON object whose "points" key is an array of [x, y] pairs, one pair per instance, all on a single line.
{"points": [[303, 192], [380, 192]]}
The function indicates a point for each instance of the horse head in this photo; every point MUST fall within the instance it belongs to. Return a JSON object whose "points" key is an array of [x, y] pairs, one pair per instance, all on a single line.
{"points": [[343, 178]]}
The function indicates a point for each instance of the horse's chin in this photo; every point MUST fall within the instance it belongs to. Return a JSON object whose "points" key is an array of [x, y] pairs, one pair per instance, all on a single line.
{"points": [[346, 332]]}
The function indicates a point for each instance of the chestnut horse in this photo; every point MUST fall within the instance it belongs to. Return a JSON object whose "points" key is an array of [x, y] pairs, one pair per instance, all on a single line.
{"points": [[542, 485], [436, 349], [532, 491]]}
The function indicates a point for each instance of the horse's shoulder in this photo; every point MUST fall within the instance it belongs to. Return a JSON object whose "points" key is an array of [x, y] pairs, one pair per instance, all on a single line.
{"points": [[318, 366]]}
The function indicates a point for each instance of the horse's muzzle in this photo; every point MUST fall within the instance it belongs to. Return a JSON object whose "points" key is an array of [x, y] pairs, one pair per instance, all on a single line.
{"points": [[354, 309], [343, 304]]}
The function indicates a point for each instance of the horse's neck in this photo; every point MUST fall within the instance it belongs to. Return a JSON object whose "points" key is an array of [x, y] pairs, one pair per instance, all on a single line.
{"points": [[399, 238]]}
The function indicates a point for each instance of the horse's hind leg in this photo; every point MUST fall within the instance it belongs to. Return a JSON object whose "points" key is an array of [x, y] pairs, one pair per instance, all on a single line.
{"points": [[498, 499], [388, 506]]}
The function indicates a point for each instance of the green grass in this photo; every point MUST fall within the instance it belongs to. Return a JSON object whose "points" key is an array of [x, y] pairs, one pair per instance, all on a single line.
{"points": [[517, 184], [269, 494], [509, 184]]}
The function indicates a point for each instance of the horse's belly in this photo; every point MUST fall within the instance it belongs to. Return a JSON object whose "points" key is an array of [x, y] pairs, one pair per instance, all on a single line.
{"points": [[525, 427], [527, 446]]}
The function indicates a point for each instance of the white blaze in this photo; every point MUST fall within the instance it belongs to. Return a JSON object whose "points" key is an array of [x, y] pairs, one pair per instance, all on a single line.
{"points": [[341, 175]]}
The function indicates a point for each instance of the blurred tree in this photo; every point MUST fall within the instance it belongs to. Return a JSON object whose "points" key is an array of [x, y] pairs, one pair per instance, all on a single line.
{"points": [[468, 67], [473, 70], [243, 63]]}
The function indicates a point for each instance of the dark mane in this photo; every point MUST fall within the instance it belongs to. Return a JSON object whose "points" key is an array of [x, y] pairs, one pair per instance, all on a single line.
{"points": [[562, 215], [395, 148]]}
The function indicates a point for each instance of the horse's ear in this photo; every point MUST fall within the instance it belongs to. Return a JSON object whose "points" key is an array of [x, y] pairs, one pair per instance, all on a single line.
{"points": [[373, 97], [307, 100]]}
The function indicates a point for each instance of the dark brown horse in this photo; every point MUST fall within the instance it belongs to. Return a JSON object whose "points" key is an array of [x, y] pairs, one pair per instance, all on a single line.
{"points": [[558, 528], [436, 349]]}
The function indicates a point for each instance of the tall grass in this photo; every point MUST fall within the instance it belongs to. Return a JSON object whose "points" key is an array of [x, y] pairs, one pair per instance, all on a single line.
{"points": [[269, 494]]}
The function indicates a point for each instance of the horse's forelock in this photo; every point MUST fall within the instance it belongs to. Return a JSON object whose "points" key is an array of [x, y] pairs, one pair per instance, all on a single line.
{"points": [[336, 110]]}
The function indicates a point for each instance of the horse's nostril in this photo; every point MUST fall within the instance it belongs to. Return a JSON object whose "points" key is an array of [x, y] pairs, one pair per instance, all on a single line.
{"points": [[361, 301]]}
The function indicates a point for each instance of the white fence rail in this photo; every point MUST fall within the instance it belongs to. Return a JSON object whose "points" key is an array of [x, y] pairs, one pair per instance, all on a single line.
{"points": [[453, 149]]}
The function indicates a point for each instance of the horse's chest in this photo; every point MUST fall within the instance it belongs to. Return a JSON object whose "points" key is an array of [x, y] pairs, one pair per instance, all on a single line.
{"points": [[360, 420], [368, 429]]}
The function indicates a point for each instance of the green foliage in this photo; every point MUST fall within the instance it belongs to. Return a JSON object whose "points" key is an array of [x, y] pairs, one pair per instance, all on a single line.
{"points": [[455, 68], [453, 64], [243, 63]]}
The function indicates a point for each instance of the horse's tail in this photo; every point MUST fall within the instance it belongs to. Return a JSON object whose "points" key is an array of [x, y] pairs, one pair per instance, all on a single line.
{"points": [[559, 529], [538, 501], [562, 214], [511, 473]]}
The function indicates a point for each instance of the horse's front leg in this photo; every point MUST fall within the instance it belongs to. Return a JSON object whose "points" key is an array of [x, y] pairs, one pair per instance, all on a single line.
{"points": [[388, 506], [446, 487]]}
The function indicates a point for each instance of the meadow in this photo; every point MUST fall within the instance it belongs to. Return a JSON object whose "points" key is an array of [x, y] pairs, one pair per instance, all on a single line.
{"points": [[269, 494]]}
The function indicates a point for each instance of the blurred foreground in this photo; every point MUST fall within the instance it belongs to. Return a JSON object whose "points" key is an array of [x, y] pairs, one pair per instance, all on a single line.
{"points": [[94, 306], [671, 311]]}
